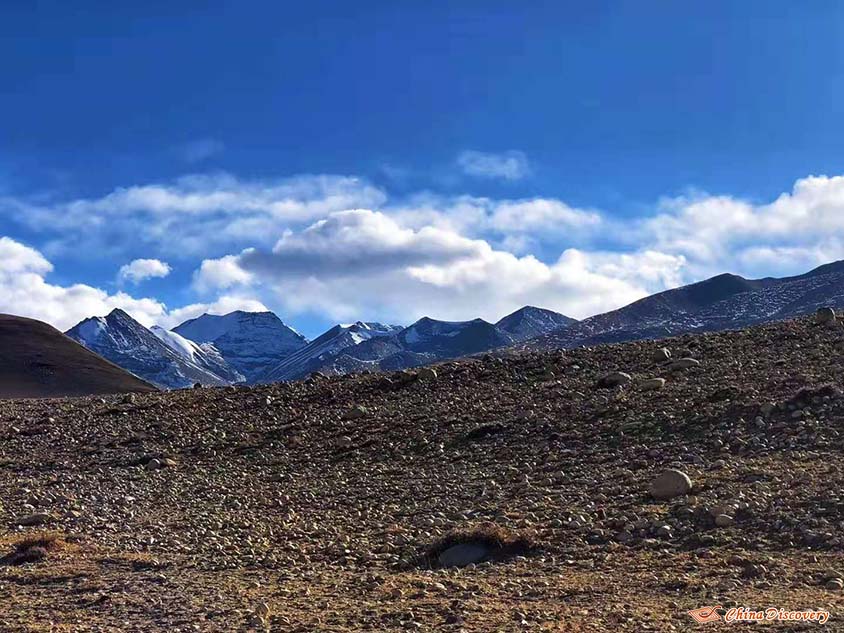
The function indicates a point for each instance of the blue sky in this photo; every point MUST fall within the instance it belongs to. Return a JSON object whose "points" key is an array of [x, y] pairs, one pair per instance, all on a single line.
{"points": [[383, 160]]}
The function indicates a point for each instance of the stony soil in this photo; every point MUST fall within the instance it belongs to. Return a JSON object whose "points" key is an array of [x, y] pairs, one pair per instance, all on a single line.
{"points": [[322, 505]]}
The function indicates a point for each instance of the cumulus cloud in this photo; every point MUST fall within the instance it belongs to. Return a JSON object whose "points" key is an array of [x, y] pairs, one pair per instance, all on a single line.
{"points": [[512, 165], [364, 262], [220, 273], [24, 291], [800, 228], [138, 270]]}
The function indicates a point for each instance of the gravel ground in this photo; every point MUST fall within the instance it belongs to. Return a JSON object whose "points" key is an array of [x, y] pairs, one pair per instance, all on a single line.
{"points": [[324, 505]]}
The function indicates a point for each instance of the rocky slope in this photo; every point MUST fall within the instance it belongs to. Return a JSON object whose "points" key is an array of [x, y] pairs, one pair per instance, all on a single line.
{"points": [[335, 504], [38, 361], [720, 303], [166, 360], [249, 341]]}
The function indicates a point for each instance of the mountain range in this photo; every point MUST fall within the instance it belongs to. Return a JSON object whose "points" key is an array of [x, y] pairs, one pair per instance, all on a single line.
{"points": [[258, 347], [251, 348], [724, 302]]}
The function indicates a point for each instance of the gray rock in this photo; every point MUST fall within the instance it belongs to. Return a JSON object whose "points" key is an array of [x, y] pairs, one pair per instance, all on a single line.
{"points": [[614, 379], [427, 373], [355, 413], [662, 355], [463, 554], [824, 316], [37, 518], [672, 483], [652, 384], [724, 520], [684, 363]]}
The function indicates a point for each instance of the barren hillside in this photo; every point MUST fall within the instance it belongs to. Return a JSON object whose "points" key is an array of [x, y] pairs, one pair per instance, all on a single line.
{"points": [[38, 361], [338, 504]]}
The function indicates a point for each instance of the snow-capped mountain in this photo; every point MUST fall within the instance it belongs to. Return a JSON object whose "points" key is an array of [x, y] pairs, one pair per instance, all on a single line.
{"points": [[530, 322], [720, 303], [323, 351], [166, 361], [250, 342], [345, 349]]}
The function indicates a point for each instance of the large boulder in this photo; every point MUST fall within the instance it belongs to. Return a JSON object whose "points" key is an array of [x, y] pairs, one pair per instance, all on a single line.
{"points": [[672, 483]]}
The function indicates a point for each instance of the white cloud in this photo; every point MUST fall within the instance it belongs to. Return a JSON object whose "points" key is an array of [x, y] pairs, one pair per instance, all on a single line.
{"points": [[539, 214], [198, 215], [220, 274], [527, 219], [717, 233], [512, 165], [138, 270], [364, 262], [24, 291]]}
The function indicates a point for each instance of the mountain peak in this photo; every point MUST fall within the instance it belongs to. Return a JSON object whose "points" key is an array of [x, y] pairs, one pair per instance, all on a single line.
{"points": [[529, 322], [249, 341]]}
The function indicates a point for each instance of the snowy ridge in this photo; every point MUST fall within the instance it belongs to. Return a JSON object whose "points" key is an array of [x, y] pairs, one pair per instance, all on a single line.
{"points": [[169, 364]]}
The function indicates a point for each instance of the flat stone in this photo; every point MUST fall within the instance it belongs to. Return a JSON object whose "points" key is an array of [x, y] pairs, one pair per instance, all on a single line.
{"points": [[684, 363], [463, 554], [36, 518], [652, 384]]}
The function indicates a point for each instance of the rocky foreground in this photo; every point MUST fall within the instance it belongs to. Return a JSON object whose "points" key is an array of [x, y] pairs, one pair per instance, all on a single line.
{"points": [[355, 503]]}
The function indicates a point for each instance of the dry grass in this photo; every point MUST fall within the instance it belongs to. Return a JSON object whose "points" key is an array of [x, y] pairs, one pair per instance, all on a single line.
{"points": [[33, 548]]}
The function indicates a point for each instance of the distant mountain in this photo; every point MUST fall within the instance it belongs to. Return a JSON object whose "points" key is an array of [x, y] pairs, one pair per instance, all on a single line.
{"points": [[324, 350], [38, 361], [374, 347], [250, 342], [720, 303], [166, 361], [530, 322]]}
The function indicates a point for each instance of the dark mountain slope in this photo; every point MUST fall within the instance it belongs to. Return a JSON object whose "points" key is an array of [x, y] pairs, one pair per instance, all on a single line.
{"points": [[38, 361]]}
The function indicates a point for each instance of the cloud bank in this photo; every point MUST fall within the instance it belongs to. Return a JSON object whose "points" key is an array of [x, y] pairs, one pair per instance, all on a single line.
{"points": [[340, 247]]}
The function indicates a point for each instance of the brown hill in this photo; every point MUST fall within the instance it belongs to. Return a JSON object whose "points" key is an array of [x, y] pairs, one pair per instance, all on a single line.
{"points": [[333, 504], [38, 361]]}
